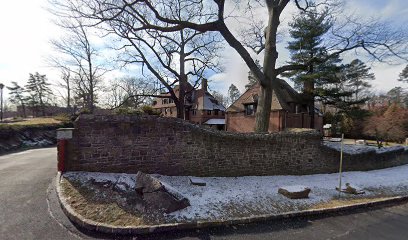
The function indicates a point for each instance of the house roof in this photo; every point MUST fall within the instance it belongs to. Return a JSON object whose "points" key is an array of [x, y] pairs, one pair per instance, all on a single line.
{"points": [[203, 100], [215, 121], [287, 94], [210, 103], [199, 99]]}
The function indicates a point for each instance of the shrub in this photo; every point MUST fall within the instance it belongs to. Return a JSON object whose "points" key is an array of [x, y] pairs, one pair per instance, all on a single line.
{"points": [[149, 110], [63, 117], [128, 111]]}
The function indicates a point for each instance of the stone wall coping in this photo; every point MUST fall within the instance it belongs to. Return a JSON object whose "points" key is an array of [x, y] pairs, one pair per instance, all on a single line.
{"points": [[132, 118]]}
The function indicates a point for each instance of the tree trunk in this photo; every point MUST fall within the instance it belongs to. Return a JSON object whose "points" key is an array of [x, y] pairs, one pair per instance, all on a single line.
{"points": [[180, 109], [269, 67], [308, 89], [42, 106], [182, 81], [24, 110], [263, 110], [68, 96], [309, 93]]}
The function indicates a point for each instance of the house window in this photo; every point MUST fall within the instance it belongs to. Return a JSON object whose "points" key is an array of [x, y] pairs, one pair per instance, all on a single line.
{"points": [[194, 112], [250, 109], [208, 112], [223, 113], [165, 101], [166, 110], [171, 100], [216, 112]]}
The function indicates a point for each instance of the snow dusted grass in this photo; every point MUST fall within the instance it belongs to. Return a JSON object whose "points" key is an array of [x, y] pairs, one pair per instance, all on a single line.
{"points": [[358, 149], [232, 197]]}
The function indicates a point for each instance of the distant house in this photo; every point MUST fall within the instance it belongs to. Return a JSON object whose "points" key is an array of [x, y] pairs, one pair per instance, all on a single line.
{"points": [[289, 112], [200, 106]]}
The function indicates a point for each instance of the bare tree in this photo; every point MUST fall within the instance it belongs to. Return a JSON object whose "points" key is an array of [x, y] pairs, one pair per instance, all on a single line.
{"points": [[66, 85], [376, 39], [181, 57], [80, 63], [129, 92]]}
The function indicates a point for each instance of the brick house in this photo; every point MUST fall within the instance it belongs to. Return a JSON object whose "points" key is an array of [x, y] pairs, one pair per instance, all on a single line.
{"points": [[200, 106], [290, 112]]}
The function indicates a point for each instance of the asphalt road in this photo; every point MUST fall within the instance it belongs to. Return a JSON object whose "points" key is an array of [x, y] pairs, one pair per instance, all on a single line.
{"points": [[29, 210]]}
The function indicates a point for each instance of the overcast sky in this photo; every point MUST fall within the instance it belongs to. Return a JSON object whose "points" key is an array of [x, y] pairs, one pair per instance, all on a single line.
{"points": [[26, 29]]}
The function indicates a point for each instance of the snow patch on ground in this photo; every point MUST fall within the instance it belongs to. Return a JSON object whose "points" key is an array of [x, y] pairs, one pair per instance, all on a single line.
{"points": [[37, 143], [226, 197], [358, 149]]}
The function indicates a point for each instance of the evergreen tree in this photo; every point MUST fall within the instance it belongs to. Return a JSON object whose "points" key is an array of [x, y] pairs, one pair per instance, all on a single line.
{"points": [[358, 75], [251, 78], [403, 76], [17, 96], [233, 94], [39, 91], [319, 80], [399, 96]]}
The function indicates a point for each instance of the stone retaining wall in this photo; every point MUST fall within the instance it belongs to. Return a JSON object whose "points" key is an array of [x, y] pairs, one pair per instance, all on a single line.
{"points": [[14, 137], [171, 146]]}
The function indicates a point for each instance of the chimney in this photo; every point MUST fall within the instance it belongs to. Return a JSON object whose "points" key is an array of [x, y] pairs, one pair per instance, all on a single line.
{"points": [[204, 84]]}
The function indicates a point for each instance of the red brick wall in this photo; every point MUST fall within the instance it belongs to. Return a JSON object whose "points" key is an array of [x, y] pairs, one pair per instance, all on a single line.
{"points": [[202, 116], [279, 120], [239, 122], [174, 147]]}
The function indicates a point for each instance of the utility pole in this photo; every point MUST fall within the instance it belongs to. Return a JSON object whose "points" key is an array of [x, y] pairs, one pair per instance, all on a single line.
{"points": [[1, 101]]}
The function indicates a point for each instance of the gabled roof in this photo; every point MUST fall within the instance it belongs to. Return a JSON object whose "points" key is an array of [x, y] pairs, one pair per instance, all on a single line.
{"points": [[203, 100], [210, 103], [288, 94]]}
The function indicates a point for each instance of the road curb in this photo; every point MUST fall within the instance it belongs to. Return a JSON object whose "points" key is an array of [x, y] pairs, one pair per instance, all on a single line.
{"points": [[106, 228]]}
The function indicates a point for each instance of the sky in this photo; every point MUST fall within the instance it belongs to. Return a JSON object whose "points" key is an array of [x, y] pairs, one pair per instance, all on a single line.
{"points": [[26, 29]]}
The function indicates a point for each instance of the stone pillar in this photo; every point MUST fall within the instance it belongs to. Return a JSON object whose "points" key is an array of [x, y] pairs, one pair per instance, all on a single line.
{"points": [[63, 134]]}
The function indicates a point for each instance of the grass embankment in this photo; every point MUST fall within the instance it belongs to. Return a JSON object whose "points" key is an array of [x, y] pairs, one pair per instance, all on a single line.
{"points": [[22, 123], [105, 208]]}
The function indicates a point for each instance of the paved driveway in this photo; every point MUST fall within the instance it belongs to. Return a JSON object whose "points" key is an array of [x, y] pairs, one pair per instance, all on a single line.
{"points": [[29, 210]]}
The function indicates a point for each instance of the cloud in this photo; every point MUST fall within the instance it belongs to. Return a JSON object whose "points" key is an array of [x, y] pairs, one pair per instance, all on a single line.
{"points": [[27, 28]]}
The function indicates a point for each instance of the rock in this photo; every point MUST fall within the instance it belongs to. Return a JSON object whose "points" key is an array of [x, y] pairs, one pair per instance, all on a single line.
{"points": [[147, 183], [361, 142], [294, 192], [351, 190], [197, 181], [163, 201], [159, 196]]}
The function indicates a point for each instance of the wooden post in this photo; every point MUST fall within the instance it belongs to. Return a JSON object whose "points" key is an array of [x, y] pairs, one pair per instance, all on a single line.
{"points": [[341, 161]]}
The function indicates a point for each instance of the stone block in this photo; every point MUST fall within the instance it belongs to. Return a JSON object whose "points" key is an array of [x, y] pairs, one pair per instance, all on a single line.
{"points": [[159, 196], [197, 181], [295, 192]]}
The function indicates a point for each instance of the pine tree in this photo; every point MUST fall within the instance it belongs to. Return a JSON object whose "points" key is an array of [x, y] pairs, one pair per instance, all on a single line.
{"points": [[251, 79], [38, 90], [403, 76], [358, 75], [17, 96], [233, 94], [321, 80]]}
